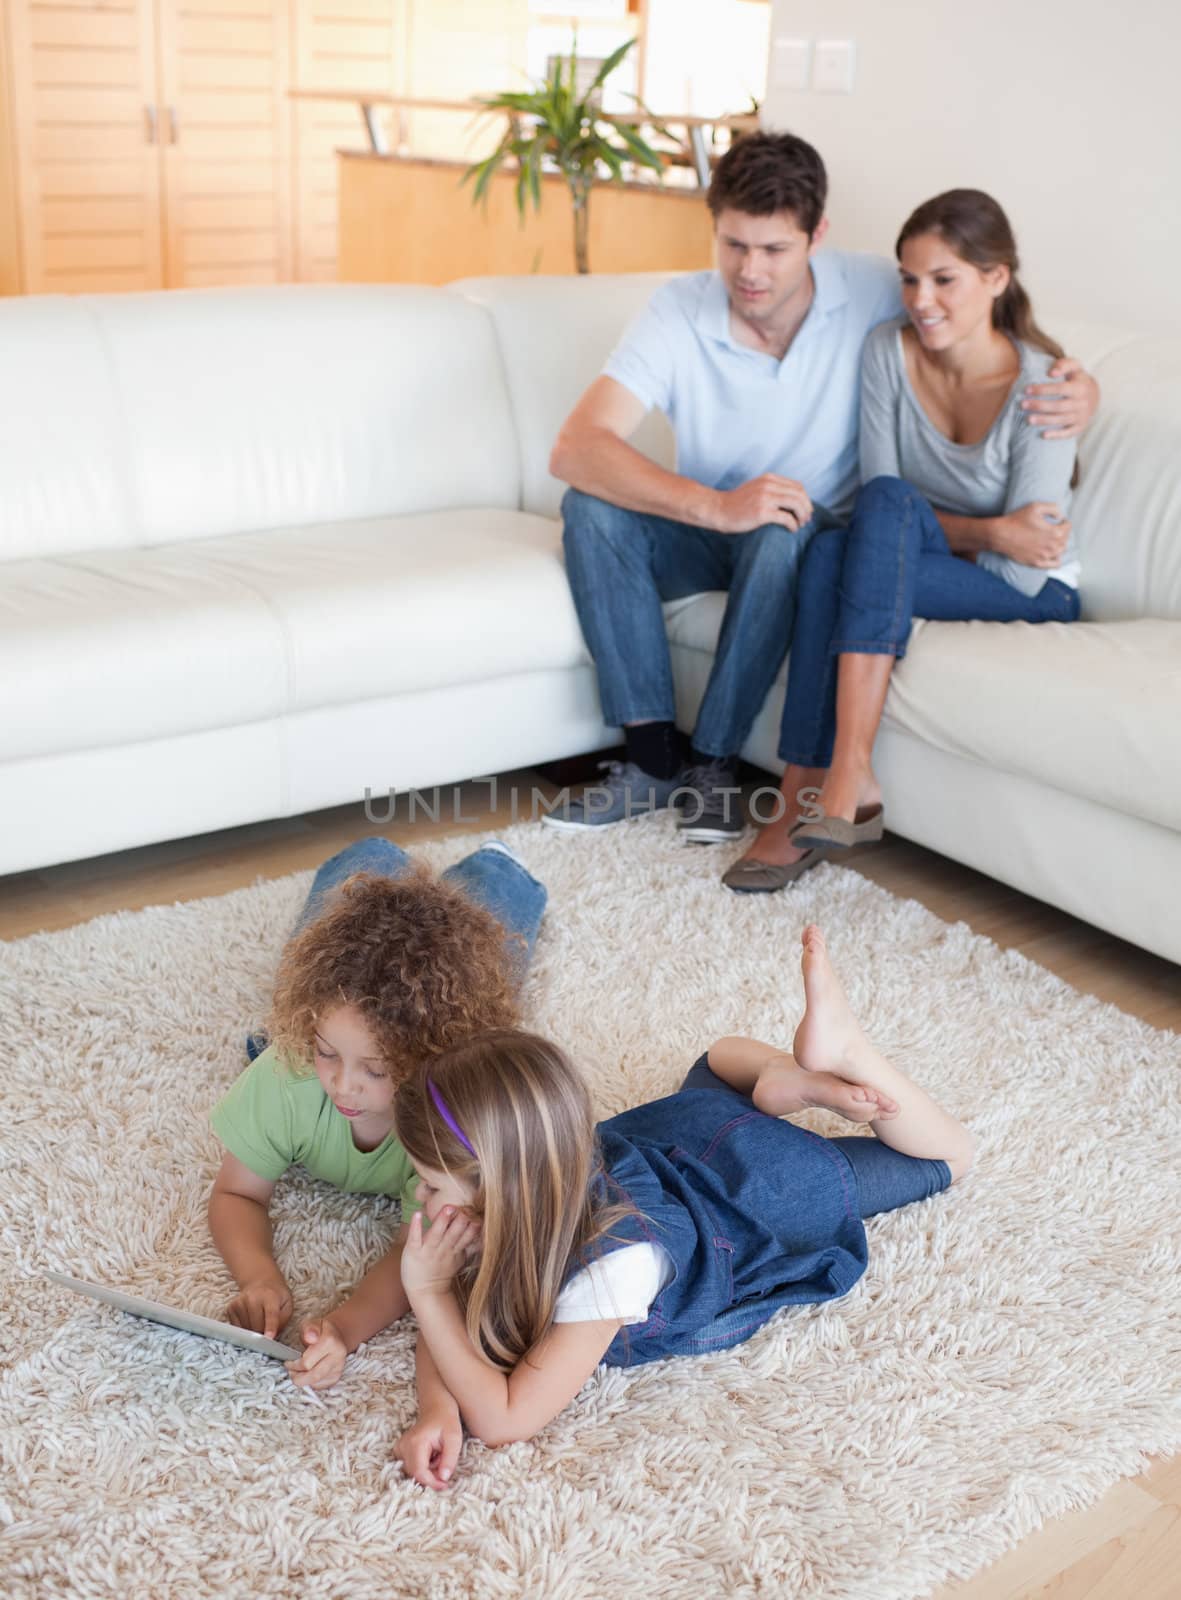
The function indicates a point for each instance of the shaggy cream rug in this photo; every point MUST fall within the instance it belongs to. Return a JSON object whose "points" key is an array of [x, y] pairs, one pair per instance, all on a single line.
{"points": [[1011, 1352]]}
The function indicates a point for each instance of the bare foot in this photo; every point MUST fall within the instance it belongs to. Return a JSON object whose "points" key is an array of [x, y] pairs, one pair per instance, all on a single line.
{"points": [[786, 1087], [851, 795], [773, 844], [828, 1035]]}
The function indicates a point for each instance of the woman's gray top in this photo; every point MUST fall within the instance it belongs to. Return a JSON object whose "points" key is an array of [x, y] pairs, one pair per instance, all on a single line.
{"points": [[1010, 467]]}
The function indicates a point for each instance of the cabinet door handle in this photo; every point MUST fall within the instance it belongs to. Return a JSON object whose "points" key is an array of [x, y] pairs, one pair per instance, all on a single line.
{"points": [[173, 127], [150, 124]]}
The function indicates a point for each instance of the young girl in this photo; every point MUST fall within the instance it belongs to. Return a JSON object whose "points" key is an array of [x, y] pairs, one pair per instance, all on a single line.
{"points": [[387, 968], [675, 1228], [962, 515]]}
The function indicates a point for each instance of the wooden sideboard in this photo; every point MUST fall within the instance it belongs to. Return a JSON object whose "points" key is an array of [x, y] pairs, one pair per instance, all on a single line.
{"points": [[407, 220]]}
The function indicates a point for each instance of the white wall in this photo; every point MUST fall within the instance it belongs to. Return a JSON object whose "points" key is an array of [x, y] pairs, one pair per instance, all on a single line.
{"points": [[1067, 111], [706, 57]]}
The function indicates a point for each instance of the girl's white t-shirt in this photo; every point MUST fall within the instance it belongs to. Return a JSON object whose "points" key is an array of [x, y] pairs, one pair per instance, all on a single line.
{"points": [[619, 1287]]}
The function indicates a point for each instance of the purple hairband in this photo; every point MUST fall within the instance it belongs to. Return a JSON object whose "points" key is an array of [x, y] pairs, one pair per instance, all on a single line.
{"points": [[441, 1108]]}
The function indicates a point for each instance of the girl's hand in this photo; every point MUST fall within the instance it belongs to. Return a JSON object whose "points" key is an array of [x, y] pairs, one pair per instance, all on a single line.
{"points": [[1035, 535], [262, 1307], [323, 1360], [430, 1261], [430, 1448]]}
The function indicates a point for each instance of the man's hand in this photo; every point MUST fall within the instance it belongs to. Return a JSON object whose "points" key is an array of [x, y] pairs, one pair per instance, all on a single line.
{"points": [[429, 1449], [762, 500], [1065, 405], [263, 1306], [324, 1356], [1034, 534], [430, 1262]]}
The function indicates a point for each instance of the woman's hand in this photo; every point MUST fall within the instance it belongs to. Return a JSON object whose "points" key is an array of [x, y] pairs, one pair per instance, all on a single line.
{"points": [[1034, 534], [1065, 404], [430, 1261], [263, 1306], [429, 1449], [324, 1355]]}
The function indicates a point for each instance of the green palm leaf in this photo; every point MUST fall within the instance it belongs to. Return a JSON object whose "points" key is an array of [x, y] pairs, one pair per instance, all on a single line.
{"points": [[553, 122]]}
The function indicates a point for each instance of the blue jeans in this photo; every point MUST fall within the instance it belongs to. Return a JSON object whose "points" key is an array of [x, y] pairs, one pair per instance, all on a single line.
{"points": [[859, 590], [494, 880], [885, 1178], [513, 895], [622, 565]]}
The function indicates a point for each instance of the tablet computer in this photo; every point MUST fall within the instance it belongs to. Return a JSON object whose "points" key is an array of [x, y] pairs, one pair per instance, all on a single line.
{"points": [[173, 1317]]}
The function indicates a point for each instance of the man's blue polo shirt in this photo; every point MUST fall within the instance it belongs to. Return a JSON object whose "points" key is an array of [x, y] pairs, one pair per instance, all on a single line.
{"points": [[738, 413]]}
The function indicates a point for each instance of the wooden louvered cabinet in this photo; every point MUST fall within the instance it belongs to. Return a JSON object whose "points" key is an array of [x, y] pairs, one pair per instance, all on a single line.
{"points": [[354, 46], [87, 170], [153, 142], [225, 140]]}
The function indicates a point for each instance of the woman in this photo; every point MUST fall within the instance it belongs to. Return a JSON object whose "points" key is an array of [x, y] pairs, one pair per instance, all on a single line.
{"points": [[962, 515]]}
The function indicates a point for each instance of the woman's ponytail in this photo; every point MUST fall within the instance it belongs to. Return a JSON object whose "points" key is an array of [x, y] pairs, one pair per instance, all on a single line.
{"points": [[1012, 313]]}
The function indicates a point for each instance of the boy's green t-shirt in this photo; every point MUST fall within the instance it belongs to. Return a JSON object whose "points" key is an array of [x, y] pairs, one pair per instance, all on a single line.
{"points": [[272, 1119]]}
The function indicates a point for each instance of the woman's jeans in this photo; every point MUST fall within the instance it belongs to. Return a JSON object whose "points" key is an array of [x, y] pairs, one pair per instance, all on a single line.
{"points": [[861, 586], [622, 566], [489, 876]]}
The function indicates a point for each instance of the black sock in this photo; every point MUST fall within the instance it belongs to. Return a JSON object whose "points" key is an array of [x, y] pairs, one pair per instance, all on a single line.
{"points": [[656, 748], [700, 759]]}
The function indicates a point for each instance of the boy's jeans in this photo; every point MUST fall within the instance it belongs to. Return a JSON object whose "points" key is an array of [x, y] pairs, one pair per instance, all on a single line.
{"points": [[495, 880]]}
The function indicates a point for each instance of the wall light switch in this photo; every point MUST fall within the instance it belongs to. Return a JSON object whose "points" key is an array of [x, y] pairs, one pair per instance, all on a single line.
{"points": [[790, 60], [832, 69]]}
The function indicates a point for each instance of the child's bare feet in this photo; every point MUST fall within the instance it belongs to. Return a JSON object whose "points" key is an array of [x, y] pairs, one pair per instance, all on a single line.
{"points": [[827, 1039], [784, 1087]]}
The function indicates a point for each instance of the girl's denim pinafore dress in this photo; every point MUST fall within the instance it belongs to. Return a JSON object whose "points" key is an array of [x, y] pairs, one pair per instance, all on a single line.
{"points": [[756, 1214]]}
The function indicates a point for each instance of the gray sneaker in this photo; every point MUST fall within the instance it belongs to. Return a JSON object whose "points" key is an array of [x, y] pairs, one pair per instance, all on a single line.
{"points": [[710, 804], [626, 792]]}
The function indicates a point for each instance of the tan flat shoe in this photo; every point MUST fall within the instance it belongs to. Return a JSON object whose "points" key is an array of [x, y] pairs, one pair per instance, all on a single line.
{"points": [[836, 833], [764, 877]]}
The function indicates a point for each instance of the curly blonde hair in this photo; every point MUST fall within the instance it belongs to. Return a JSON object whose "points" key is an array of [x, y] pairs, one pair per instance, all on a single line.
{"points": [[426, 966]]}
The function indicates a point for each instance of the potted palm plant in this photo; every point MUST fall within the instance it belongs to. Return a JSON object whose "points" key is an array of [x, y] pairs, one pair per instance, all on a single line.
{"points": [[553, 127]]}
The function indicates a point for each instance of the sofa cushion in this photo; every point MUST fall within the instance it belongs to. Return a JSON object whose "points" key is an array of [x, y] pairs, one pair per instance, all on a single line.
{"points": [[64, 469], [1127, 512], [130, 645], [555, 333], [145, 419], [1089, 708], [221, 632], [395, 605]]}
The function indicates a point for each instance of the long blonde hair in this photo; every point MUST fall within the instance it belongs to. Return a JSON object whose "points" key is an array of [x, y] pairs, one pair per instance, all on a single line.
{"points": [[525, 1110]]}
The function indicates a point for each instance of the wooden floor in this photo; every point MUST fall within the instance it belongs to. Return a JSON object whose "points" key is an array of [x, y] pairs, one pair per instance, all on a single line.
{"points": [[1126, 1548]]}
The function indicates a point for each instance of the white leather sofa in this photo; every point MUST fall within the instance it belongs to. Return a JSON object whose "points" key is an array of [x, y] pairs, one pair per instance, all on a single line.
{"points": [[263, 549]]}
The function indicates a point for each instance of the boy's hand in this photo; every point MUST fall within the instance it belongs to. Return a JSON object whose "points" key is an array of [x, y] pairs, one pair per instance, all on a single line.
{"points": [[262, 1307], [430, 1262], [324, 1357], [429, 1449]]}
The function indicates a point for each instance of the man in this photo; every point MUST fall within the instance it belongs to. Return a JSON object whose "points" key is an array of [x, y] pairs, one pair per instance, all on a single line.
{"points": [[757, 366]]}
